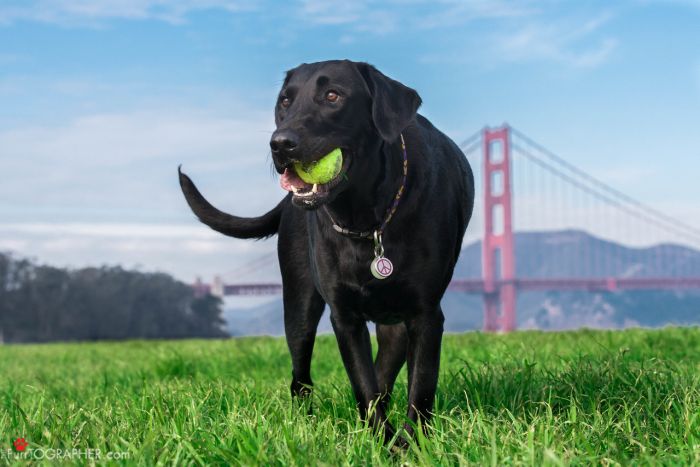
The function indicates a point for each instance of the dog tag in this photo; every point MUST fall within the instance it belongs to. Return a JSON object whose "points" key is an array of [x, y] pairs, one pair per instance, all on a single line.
{"points": [[381, 267]]}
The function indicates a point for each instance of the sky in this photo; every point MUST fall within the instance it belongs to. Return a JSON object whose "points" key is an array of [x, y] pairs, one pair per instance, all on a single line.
{"points": [[100, 102]]}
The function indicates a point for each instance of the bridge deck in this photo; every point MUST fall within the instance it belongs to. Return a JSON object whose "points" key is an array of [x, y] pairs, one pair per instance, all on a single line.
{"points": [[609, 284]]}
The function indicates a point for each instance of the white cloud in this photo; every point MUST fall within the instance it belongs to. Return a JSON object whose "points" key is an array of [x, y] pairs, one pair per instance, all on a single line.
{"points": [[332, 12], [110, 230], [185, 250], [574, 43], [366, 17], [102, 189], [70, 12], [121, 139], [682, 3], [13, 244], [356, 18], [125, 164], [523, 32], [455, 12]]}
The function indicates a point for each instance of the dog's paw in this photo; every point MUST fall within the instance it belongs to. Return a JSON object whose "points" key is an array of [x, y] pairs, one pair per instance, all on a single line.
{"points": [[399, 445]]}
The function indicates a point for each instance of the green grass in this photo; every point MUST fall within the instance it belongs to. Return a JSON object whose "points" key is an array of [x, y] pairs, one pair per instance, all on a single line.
{"points": [[530, 398]]}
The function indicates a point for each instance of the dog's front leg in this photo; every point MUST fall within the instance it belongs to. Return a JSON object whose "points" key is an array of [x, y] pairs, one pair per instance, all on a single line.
{"points": [[356, 351], [392, 341], [302, 311], [424, 340]]}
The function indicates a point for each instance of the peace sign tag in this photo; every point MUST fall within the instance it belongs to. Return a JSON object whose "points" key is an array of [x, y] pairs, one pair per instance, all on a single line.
{"points": [[381, 267]]}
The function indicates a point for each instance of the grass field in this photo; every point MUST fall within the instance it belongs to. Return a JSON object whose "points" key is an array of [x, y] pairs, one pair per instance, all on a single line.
{"points": [[525, 398]]}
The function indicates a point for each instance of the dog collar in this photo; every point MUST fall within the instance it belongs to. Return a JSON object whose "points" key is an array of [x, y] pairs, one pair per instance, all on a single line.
{"points": [[369, 235], [381, 267]]}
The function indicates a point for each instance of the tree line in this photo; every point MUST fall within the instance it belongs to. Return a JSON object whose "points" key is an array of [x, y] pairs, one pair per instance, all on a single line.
{"points": [[43, 303]]}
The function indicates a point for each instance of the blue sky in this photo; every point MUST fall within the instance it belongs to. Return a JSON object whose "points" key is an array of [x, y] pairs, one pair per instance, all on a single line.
{"points": [[100, 101]]}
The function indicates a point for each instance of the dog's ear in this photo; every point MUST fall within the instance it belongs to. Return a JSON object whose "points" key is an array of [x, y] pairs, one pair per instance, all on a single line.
{"points": [[393, 104]]}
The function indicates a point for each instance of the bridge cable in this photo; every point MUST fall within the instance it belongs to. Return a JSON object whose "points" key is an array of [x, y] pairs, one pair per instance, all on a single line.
{"points": [[693, 231], [641, 215]]}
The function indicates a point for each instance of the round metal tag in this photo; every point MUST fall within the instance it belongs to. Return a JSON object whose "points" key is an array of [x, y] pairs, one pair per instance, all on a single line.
{"points": [[381, 267]]}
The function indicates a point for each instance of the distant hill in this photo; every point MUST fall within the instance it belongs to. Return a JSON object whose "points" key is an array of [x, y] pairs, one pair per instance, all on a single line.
{"points": [[549, 254], [570, 253]]}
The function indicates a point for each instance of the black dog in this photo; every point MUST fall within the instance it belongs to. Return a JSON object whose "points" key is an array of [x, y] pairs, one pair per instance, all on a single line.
{"points": [[373, 210]]}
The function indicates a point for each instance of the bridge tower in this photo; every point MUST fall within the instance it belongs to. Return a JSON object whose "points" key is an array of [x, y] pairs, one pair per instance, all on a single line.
{"points": [[498, 253], [217, 288]]}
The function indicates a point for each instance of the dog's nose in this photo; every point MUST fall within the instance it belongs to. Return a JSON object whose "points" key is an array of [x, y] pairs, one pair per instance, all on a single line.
{"points": [[283, 142]]}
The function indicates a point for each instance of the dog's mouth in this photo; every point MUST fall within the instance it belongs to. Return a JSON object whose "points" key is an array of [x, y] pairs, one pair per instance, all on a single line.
{"points": [[312, 195]]}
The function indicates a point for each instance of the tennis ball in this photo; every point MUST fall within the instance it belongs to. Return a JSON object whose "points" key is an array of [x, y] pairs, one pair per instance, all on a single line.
{"points": [[323, 170]]}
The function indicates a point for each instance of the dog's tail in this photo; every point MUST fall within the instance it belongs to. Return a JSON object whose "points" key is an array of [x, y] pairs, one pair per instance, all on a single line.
{"points": [[233, 226]]}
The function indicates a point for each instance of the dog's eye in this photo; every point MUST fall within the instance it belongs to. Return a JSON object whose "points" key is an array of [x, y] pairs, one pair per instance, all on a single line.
{"points": [[332, 96], [284, 102]]}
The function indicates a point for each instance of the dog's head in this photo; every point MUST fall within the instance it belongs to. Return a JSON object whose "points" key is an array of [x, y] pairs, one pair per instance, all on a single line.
{"points": [[336, 104]]}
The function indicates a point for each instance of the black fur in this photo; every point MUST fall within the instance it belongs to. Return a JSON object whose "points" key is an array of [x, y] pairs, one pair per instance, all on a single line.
{"points": [[321, 266]]}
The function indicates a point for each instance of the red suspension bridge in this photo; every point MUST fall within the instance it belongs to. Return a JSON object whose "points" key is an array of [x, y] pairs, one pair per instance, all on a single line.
{"points": [[518, 176]]}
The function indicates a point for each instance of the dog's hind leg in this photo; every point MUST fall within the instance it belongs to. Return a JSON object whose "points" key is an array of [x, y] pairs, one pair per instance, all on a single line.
{"points": [[391, 355]]}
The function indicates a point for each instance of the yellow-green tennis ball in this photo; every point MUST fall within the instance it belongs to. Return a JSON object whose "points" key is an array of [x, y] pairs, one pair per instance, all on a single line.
{"points": [[323, 170]]}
